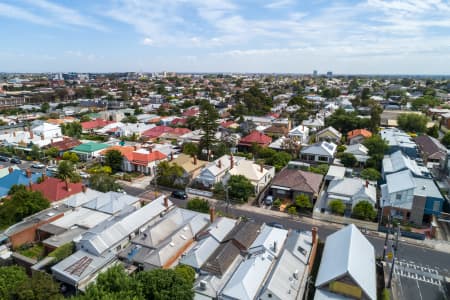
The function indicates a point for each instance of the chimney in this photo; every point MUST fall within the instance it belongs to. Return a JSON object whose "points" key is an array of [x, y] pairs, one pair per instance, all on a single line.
{"points": [[367, 183], [31, 135], [30, 185], [150, 149], [51, 141], [43, 176], [261, 167], [135, 147], [14, 133], [171, 156], [275, 246], [212, 214], [42, 136], [166, 202], [314, 235], [231, 161], [28, 173], [10, 170], [195, 159], [83, 188], [219, 165]]}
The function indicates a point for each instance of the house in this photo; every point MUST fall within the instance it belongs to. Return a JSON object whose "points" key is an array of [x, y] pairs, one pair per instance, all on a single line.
{"points": [[190, 164], [357, 136], [351, 191], [397, 162], [276, 131], [290, 183], [329, 134], [156, 132], [430, 148], [255, 137], [285, 143], [409, 198], [249, 277], [360, 152], [399, 140], [64, 145], [55, 189], [89, 150], [112, 203], [300, 134], [90, 126], [314, 124], [25, 139], [258, 174], [289, 276], [7, 170], [16, 177], [47, 130], [215, 171], [353, 275], [321, 152]]}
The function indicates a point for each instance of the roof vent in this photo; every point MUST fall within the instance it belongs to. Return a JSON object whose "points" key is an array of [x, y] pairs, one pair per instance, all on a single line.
{"points": [[202, 285]]}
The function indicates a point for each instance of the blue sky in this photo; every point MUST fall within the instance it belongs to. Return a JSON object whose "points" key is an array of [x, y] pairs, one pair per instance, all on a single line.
{"points": [[297, 36]]}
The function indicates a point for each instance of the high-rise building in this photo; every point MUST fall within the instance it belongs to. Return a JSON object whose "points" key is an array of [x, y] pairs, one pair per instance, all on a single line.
{"points": [[315, 73], [330, 74]]}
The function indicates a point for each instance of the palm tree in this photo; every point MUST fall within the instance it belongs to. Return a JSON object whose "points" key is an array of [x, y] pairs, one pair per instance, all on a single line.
{"points": [[66, 172]]}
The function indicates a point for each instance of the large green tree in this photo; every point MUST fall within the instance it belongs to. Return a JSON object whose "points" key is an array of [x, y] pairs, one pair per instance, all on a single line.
{"points": [[253, 102], [73, 129], [446, 140], [66, 172], [170, 175], [207, 122], [103, 182], [114, 159], [240, 188], [370, 174], [303, 202], [364, 210], [412, 122], [348, 159], [337, 207], [198, 204]]}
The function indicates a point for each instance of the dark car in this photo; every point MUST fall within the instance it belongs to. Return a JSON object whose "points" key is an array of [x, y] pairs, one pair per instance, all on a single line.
{"points": [[15, 160], [276, 225], [179, 194], [4, 158]]}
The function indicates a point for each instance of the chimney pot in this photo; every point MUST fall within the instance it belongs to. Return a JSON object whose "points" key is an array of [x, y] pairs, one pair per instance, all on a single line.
{"points": [[166, 202], [83, 188], [10, 170], [231, 161], [42, 136], [28, 173], [212, 214], [220, 164], [314, 234], [44, 177], [367, 183], [261, 169], [195, 159], [30, 185]]}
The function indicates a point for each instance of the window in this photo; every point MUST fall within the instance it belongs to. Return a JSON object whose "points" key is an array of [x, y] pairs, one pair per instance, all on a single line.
{"points": [[323, 158], [436, 205], [398, 196]]}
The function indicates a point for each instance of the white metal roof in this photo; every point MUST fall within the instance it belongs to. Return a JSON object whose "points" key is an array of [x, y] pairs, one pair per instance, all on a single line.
{"points": [[83, 217], [347, 251]]}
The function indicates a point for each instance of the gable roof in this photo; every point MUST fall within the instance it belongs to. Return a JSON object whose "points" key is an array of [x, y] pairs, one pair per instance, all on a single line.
{"points": [[348, 244], [365, 133], [90, 147], [93, 124], [65, 144], [255, 137], [16, 177], [298, 180], [331, 129], [249, 169], [320, 148], [54, 189], [187, 162], [157, 131], [431, 146], [397, 161], [111, 202]]}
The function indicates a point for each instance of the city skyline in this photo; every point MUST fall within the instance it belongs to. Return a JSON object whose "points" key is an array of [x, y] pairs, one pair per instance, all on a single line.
{"points": [[274, 36]]}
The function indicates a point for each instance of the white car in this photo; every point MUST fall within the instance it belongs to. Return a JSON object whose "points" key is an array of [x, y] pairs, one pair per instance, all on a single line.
{"points": [[37, 165], [53, 169], [84, 175]]}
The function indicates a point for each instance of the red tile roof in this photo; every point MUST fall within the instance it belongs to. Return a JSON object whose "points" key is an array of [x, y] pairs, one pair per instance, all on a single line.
{"points": [[54, 189], [191, 112], [255, 137], [365, 133], [66, 144], [157, 131], [179, 121], [227, 124], [93, 124], [140, 158]]}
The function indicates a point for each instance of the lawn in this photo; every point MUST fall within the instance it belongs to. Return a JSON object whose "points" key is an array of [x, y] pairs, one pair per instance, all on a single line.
{"points": [[36, 251]]}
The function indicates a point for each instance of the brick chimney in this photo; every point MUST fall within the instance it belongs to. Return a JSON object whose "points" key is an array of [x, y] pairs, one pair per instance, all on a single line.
{"points": [[212, 214], [43, 176], [28, 173], [10, 170], [30, 187], [195, 159], [231, 161], [367, 183], [314, 234], [42, 136], [150, 149], [51, 141], [83, 188], [31, 135], [261, 167], [14, 133], [166, 202], [219, 164]]}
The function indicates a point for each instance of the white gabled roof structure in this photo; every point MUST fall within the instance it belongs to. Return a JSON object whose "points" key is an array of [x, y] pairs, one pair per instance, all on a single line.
{"points": [[348, 253]]}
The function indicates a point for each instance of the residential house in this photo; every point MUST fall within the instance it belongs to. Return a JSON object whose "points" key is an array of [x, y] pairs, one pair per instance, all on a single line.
{"points": [[409, 198], [357, 136], [321, 152], [89, 150], [314, 124], [215, 171], [55, 189], [290, 183], [399, 140], [300, 134], [190, 164], [90, 126], [64, 145], [351, 191], [16, 177], [276, 131], [25, 139], [255, 137], [353, 275], [398, 161], [329, 134], [7, 170], [285, 144], [258, 174], [112, 203], [156, 132], [431, 149], [360, 152], [47, 131], [249, 277]]}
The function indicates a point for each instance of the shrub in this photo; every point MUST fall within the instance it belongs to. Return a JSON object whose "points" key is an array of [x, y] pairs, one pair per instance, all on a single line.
{"points": [[199, 205], [337, 207], [276, 203]]}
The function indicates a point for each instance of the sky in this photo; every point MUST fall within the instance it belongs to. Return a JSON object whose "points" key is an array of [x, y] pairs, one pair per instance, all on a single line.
{"points": [[270, 36]]}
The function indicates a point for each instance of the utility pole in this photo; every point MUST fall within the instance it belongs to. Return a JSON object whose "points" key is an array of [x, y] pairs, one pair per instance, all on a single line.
{"points": [[387, 237], [227, 198], [393, 259]]}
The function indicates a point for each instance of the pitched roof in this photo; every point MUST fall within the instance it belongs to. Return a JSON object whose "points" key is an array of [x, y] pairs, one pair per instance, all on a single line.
{"points": [[320, 148], [126, 151], [349, 244], [187, 162], [65, 144], [332, 130], [249, 169], [365, 133], [93, 124], [5, 170], [255, 137], [16, 177], [143, 157], [90, 147], [157, 131], [298, 180], [431, 146], [54, 189]]}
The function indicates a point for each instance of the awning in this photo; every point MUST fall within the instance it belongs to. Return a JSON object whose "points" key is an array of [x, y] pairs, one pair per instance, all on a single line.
{"points": [[280, 188]]}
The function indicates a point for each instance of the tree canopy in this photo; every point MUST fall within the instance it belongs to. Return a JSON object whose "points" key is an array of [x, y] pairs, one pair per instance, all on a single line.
{"points": [[446, 140], [364, 210], [66, 172], [348, 160], [370, 174], [207, 122], [412, 122], [198, 204], [337, 207], [240, 188], [170, 175], [103, 182], [253, 102], [113, 159], [72, 129]]}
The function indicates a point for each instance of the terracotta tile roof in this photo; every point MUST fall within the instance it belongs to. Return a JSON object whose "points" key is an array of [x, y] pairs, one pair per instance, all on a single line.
{"points": [[66, 144], [191, 112], [255, 137], [93, 124], [298, 180], [179, 121], [126, 151], [227, 124], [277, 130], [157, 131], [144, 158], [365, 133], [54, 189]]}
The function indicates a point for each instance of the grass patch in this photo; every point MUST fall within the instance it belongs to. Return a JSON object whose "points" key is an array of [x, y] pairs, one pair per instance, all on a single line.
{"points": [[35, 251]]}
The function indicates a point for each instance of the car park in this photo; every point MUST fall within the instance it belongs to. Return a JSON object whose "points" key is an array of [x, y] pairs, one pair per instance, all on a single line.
{"points": [[179, 194]]}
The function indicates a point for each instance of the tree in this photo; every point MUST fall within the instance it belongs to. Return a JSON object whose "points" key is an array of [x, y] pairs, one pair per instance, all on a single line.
{"points": [[240, 188], [170, 175], [207, 121], [433, 131], [370, 174], [446, 140], [344, 121], [199, 205], [320, 169], [425, 102], [66, 172], [130, 119], [279, 160], [114, 159], [35, 152], [190, 148], [166, 284], [412, 122], [45, 107], [376, 145], [253, 102], [11, 278], [292, 210], [364, 210], [303, 202], [85, 118], [337, 207], [73, 129], [41, 286], [103, 182], [52, 152], [348, 160], [71, 156]]}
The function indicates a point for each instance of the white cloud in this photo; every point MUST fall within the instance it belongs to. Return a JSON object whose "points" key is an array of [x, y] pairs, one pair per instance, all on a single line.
{"points": [[279, 4], [147, 41], [15, 12]]}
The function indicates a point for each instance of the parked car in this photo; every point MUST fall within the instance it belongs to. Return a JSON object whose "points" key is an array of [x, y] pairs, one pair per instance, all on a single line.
{"points": [[275, 224], [4, 158], [15, 160], [37, 165], [84, 175], [268, 200], [179, 194], [52, 169]]}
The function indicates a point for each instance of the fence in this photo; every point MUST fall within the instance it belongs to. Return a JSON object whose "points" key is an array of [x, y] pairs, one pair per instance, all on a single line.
{"points": [[408, 234], [344, 220], [199, 192]]}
